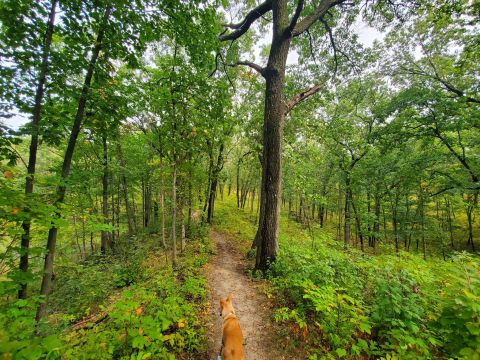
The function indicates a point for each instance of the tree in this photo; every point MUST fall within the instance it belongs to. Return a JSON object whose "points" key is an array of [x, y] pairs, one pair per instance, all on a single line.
{"points": [[287, 24]]}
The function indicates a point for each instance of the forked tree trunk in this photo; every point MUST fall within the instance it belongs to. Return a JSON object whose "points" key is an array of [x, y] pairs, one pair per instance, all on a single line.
{"points": [[67, 162], [32, 158]]}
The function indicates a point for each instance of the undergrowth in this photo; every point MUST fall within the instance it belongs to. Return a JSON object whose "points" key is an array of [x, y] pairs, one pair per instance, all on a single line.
{"points": [[130, 305], [333, 303]]}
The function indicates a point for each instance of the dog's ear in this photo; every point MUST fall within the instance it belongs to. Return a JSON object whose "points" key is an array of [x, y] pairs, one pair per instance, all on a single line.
{"points": [[229, 298], [222, 303]]}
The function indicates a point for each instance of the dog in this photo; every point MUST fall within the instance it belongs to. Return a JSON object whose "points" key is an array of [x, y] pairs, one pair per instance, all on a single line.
{"points": [[232, 340]]}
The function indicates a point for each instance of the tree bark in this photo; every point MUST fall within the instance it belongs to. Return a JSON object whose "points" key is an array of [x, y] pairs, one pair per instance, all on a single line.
{"points": [[67, 161], [32, 159], [274, 117]]}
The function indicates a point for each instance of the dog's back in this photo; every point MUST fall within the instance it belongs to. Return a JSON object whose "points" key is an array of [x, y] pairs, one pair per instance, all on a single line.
{"points": [[232, 332], [232, 339]]}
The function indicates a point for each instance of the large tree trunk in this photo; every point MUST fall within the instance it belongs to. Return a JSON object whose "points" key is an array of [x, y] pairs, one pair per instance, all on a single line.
{"points": [[32, 159], [67, 162], [274, 118]]}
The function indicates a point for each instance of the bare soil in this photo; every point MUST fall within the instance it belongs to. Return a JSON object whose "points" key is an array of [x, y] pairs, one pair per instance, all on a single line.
{"points": [[225, 274]]}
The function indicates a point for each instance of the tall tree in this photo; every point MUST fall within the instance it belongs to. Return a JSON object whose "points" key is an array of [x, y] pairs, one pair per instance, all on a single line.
{"points": [[67, 162], [32, 158]]}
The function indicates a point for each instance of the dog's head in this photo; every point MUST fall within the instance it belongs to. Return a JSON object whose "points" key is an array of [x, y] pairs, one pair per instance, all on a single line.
{"points": [[226, 306]]}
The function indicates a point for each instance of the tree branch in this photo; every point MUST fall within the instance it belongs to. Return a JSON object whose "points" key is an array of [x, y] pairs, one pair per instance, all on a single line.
{"points": [[332, 42], [250, 64], [297, 99], [295, 17], [242, 27], [304, 24]]}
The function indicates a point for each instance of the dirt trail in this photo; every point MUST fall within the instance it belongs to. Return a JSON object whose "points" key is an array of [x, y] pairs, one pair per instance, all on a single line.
{"points": [[225, 275]]}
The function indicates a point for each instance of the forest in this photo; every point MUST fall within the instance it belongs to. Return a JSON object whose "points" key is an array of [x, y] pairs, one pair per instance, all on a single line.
{"points": [[319, 159]]}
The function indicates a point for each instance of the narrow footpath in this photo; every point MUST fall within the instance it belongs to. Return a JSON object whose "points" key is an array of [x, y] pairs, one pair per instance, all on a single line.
{"points": [[225, 274]]}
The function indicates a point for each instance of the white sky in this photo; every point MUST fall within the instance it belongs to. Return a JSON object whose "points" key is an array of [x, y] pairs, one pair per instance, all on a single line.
{"points": [[366, 34]]}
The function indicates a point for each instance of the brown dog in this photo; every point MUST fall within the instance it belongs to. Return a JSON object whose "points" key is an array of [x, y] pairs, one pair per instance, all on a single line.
{"points": [[232, 341]]}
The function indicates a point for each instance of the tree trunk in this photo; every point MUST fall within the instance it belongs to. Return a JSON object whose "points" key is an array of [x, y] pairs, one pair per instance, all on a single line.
{"points": [[253, 200], [395, 222], [148, 204], [274, 117], [471, 204], [162, 204], [422, 221], [182, 225], [376, 220], [67, 161], [358, 224], [190, 203], [210, 175], [213, 186], [348, 198], [449, 221], [105, 233], [238, 182], [128, 207], [112, 234], [174, 208], [32, 159]]}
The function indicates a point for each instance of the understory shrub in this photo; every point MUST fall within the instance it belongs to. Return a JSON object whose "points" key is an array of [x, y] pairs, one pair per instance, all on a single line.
{"points": [[346, 304]]}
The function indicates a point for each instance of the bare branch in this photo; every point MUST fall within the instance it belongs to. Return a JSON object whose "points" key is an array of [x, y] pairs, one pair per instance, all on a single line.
{"points": [[242, 27], [295, 17], [250, 64], [304, 24], [436, 76], [297, 99], [225, 70], [216, 65], [311, 47], [332, 42]]}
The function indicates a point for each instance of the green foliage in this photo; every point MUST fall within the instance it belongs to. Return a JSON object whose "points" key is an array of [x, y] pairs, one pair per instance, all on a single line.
{"points": [[459, 321], [17, 333], [343, 304], [157, 318]]}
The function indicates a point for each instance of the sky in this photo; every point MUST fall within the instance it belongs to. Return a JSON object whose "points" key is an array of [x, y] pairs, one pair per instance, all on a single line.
{"points": [[367, 36]]}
